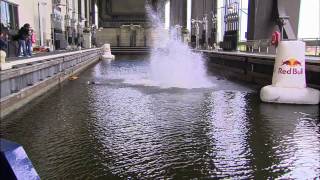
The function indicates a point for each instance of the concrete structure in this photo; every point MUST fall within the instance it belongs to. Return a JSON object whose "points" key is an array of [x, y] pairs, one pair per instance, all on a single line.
{"points": [[33, 77], [125, 36], [225, 21], [124, 23], [178, 13], [264, 16], [62, 22]]}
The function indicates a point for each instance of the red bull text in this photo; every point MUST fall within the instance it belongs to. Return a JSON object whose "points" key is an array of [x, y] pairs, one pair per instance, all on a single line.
{"points": [[294, 67]]}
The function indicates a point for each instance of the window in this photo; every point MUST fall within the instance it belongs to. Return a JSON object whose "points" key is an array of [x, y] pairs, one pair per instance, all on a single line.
{"points": [[9, 15]]}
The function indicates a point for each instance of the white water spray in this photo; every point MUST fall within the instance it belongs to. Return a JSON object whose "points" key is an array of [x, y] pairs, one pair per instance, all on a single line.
{"points": [[173, 64]]}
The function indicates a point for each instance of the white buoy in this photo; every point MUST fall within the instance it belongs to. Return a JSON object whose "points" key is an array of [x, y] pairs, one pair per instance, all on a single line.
{"points": [[289, 78], [107, 52]]}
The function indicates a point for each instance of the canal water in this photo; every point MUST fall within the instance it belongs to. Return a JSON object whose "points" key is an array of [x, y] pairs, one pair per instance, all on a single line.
{"points": [[112, 124]]}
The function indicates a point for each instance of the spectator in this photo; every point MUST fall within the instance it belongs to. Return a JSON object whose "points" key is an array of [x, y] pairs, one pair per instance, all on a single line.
{"points": [[29, 40], [33, 37], [24, 40], [93, 36]]}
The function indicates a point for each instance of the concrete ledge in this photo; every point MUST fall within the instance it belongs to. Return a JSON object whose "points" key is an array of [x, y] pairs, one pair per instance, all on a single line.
{"points": [[49, 57], [64, 66]]}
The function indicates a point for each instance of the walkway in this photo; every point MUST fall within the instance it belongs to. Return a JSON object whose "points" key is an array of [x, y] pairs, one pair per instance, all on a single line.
{"points": [[15, 62], [40, 54]]}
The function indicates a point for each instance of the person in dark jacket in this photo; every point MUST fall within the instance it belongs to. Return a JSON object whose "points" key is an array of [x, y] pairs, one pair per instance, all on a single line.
{"points": [[23, 38]]}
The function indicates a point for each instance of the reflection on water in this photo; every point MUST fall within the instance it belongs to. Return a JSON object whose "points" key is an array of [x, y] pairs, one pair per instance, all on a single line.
{"points": [[295, 139], [229, 133], [112, 130]]}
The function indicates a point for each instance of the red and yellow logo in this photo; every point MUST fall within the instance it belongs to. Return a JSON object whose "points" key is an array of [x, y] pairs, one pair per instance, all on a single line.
{"points": [[292, 66], [292, 62]]}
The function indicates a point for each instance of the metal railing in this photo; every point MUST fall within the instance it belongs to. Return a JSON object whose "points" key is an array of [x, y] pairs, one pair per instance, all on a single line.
{"points": [[264, 45], [255, 46], [312, 46]]}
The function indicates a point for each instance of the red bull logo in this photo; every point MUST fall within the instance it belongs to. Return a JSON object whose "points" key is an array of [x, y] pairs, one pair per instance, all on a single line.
{"points": [[293, 65], [291, 62]]}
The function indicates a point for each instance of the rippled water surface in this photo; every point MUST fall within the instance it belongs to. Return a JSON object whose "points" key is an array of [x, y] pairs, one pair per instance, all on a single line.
{"points": [[114, 129]]}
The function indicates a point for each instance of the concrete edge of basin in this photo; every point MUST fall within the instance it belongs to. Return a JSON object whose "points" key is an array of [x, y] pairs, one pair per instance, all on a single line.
{"points": [[15, 101]]}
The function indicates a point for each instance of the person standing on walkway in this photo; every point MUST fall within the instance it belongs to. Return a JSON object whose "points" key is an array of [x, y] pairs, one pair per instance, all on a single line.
{"points": [[22, 51], [29, 40], [93, 36], [23, 38]]}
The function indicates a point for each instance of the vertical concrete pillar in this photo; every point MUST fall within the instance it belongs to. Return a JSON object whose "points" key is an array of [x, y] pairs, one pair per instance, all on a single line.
{"points": [[83, 8], [290, 8], [92, 11], [263, 16], [261, 19], [178, 13], [87, 7]]}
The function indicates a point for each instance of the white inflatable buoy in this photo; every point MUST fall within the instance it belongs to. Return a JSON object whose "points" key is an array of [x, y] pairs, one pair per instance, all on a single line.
{"points": [[107, 52], [289, 78]]}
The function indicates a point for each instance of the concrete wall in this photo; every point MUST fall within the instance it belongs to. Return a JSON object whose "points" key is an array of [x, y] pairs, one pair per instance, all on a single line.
{"points": [[128, 6], [114, 13], [31, 79], [109, 35]]}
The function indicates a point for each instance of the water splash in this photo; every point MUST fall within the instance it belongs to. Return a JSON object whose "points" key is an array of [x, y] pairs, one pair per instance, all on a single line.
{"points": [[173, 64]]}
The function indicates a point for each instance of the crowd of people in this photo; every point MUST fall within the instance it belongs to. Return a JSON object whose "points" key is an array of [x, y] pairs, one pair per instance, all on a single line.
{"points": [[25, 38]]}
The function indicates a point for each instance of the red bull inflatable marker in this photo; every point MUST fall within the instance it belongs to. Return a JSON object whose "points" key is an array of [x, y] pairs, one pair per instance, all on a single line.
{"points": [[289, 77]]}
